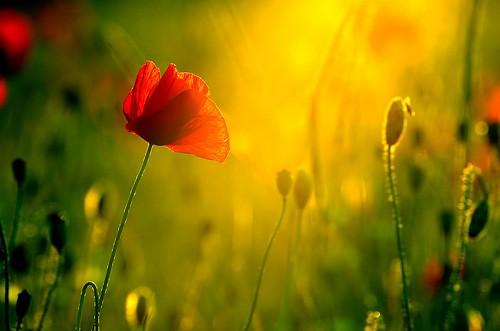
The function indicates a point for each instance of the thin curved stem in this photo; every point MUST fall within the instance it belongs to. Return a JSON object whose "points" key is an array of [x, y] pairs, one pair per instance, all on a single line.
{"points": [[6, 281], [292, 261], [17, 216], [50, 294], [396, 214], [122, 225], [80, 306], [263, 265]]}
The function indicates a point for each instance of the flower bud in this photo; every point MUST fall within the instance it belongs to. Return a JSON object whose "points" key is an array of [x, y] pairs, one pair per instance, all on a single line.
{"points": [[20, 259], [447, 218], [19, 170], [139, 307], [284, 182], [302, 189], [22, 304], [479, 219], [395, 121], [57, 231]]}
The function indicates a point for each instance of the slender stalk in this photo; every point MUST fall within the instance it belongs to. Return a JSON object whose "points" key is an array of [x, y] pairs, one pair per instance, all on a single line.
{"points": [[17, 216], [465, 207], [122, 225], [50, 294], [396, 214], [80, 306], [263, 265], [18, 326], [6, 281], [292, 261]]}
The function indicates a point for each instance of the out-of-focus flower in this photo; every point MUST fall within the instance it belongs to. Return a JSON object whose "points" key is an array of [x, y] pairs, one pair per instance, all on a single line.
{"points": [[374, 321], [432, 275], [476, 321], [16, 36], [139, 307], [175, 110], [65, 24], [396, 37], [493, 105], [302, 189]]}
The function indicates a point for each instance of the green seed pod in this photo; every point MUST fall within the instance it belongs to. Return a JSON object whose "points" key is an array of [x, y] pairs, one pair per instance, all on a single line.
{"points": [[479, 219], [302, 189], [19, 170], [284, 182], [57, 231], [22, 304], [395, 121]]}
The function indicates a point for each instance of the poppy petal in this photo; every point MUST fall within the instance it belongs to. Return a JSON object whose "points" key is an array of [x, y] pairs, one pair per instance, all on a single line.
{"points": [[205, 135], [145, 83], [173, 83]]}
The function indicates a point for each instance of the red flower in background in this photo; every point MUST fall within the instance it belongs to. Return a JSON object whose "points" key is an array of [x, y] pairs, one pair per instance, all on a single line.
{"points": [[16, 36], [175, 110], [493, 105]]}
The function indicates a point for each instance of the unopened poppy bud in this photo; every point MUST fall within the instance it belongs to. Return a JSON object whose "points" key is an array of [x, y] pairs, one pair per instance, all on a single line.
{"points": [[447, 218], [22, 304], [57, 231], [19, 259], [462, 132], [139, 307], [302, 189], [19, 170], [284, 182], [395, 121], [494, 133], [479, 219]]}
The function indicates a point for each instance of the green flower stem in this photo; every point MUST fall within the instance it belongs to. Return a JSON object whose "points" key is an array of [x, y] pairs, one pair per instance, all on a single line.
{"points": [[396, 214], [50, 294], [292, 261], [17, 216], [6, 281], [263, 265], [465, 206], [80, 306], [122, 225]]}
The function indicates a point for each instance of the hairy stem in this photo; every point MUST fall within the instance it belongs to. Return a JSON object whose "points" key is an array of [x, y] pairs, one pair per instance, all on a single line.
{"points": [[80, 306], [465, 209], [396, 214]]}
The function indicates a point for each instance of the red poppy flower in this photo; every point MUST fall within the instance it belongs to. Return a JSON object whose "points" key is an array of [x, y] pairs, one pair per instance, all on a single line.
{"points": [[16, 34], [175, 110]]}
